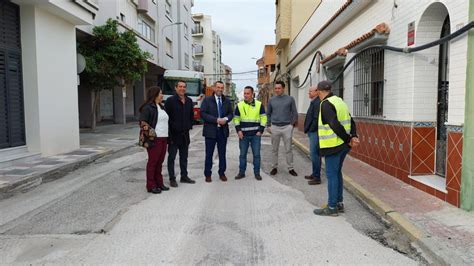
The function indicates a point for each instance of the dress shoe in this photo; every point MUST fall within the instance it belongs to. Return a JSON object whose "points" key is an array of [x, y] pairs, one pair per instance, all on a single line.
{"points": [[309, 177], [164, 188], [187, 180], [223, 178], [258, 177], [314, 182], [274, 171], [208, 179], [173, 183], [154, 190], [239, 176], [293, 173]]}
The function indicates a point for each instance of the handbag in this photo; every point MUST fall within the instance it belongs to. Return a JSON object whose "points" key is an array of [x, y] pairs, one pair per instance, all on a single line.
{"points": [[147, 135]]}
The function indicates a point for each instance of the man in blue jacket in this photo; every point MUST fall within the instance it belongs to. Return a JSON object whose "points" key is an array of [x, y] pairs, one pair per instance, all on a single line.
{"points": [[311, 128], [216, 111]]}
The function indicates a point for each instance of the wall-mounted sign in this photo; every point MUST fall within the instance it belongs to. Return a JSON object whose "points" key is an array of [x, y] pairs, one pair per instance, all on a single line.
{"points": [[411, 34]]}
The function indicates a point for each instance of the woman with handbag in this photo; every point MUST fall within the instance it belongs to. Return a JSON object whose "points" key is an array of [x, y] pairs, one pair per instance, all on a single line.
{"points": [[153, 136]]}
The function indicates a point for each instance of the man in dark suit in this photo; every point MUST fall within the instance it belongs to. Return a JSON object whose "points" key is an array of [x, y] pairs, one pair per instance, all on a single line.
{"points": [[216, 111]]}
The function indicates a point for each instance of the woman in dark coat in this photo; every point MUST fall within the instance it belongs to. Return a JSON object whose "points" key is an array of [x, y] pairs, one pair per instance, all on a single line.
{"points": [[154, 128]]}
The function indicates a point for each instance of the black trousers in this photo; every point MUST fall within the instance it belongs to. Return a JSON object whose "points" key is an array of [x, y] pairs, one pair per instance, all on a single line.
{"points": [[173, 149]]}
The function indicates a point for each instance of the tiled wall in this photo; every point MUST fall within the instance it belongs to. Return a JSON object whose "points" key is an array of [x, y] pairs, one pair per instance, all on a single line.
{"points": [[453, 167], [403, 149], [386, 147]]}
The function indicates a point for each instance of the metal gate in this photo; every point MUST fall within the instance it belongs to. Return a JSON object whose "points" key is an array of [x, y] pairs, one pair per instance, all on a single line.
{"points": [[12, 124], [443, 92]]}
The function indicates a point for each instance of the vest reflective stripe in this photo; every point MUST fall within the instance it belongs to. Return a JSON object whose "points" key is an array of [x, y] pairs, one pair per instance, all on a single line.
{"points": [[327, 137], [250, 114], [250, 128]]}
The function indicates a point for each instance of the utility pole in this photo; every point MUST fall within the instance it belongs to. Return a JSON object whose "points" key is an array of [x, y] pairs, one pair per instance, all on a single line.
{"points": [[467, 178]]}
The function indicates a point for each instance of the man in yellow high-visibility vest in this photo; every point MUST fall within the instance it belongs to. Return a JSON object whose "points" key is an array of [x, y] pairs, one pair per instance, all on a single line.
{"points": [[337, 134], [250, 120]]}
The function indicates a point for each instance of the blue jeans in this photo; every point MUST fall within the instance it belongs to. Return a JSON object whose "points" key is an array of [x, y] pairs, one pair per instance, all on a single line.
{"points": [[314, 153], [221, 141], [334, 175], [254, 142]]}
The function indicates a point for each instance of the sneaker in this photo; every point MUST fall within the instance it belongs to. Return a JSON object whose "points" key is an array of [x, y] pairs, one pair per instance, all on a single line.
{"points": [[340, 207], [258, 177], [326, 211], [274, 171], [173, 183], [239, 176], [187, 180], [293, 173]]}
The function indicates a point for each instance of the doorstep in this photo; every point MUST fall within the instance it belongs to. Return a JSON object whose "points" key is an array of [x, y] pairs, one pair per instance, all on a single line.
{"points": [[434, 181]]}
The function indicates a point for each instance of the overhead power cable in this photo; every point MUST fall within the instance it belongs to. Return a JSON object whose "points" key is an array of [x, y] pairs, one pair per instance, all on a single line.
{"points": [[406, 50]]}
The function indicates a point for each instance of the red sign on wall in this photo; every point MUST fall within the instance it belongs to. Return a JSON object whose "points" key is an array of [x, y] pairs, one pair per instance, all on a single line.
{"points": [[411, 34]]}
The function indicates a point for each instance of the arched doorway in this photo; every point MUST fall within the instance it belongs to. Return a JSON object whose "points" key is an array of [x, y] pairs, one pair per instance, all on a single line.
{"points": [[442, 104], [431, 91]]}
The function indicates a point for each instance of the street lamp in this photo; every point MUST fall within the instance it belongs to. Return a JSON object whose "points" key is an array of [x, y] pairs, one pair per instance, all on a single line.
{"points": [[162, 37], [172, 24]]}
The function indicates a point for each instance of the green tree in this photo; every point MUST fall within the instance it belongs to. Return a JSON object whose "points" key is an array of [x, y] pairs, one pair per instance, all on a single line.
{"points": [[113, 59]]}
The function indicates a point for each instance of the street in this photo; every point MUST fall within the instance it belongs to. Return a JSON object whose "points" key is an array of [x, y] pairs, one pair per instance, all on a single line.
{"points": [[102, 214]]}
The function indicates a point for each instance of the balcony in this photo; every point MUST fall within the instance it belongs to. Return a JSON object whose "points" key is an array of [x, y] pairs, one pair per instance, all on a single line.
{"points": [[197, 66], [283, 23], [198, 50], [197, 31]]}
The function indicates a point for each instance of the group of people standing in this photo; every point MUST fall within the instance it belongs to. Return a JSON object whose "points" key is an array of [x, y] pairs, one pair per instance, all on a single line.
{"points": [[330, 128]]}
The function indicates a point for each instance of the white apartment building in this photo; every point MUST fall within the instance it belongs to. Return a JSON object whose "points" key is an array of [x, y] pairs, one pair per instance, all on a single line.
{"points": [[207, 49], [409, 107], [38, 82], [163, 28], [176, 22]]}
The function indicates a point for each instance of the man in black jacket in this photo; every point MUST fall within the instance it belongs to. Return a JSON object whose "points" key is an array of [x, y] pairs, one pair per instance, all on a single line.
{"points": [[181, 115], [311, 128], [216, 111], [337, 134]]}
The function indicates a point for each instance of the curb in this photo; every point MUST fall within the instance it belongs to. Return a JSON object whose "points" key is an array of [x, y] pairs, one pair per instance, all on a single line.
{"points": [[385, 211], [32, 181]]}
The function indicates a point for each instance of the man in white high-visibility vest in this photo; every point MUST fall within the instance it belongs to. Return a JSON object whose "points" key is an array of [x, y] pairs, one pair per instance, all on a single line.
{"points": [[337, 134]]}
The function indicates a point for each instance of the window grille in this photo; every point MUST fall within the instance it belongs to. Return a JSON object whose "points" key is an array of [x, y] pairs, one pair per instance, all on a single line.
{"points": [[369, 83]]}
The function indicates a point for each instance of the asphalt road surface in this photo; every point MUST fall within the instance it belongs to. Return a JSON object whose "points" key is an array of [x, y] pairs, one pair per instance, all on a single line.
{"points": [[102, 213]]}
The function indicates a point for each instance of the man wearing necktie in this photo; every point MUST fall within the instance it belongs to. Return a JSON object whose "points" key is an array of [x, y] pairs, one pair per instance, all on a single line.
{"points": [[216, 111]]}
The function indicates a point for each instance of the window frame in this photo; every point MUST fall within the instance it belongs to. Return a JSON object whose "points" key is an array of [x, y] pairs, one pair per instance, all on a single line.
{"points": [[369, 83]]}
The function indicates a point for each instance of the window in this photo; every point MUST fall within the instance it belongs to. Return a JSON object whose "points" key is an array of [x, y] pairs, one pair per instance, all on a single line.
{"points": [[186, 60], [168, 7], [146, 29], [337, 85], [169, 47], [369, 83]]}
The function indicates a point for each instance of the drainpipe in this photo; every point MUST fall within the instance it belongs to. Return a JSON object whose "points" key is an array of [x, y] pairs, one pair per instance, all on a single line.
{"points": [[467, 179]]}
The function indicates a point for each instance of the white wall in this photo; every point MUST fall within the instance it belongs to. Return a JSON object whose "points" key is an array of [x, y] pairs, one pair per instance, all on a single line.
{"points": [[50, 82], [407, 94]]}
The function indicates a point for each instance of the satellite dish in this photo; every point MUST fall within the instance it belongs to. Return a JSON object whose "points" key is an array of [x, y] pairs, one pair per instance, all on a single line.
{"points": [[81, 63]]}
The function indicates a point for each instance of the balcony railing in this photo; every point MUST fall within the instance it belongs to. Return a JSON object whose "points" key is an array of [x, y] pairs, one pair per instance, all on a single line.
{"points": [[197, 66], [198, 50], [197, 31]]}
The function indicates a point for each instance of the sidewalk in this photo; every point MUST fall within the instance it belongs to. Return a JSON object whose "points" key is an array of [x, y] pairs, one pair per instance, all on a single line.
{"points": [[443, 232], [25, 174]]}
